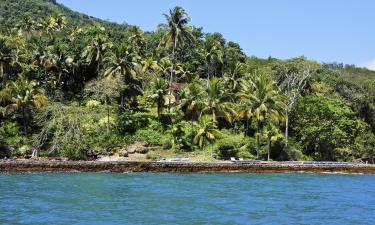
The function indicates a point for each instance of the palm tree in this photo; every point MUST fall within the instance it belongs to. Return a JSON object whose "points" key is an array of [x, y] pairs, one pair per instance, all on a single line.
{"points": [[207, 132], [273, 134], [213, 54], [124, 62], [265, 101], [60, 21], [136, 39], [191, 101], [96, 51], [217, 101], [27, 25], [5, 55], [159, 91], [177, 32], [233, 76], [60, 60], [21, 95]]}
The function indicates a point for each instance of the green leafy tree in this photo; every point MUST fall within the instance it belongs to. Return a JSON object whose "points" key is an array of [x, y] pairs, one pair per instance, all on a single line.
{"points": [[22, 95], [325, 127], [177, 32], [159, 92], [95, 52], [216, 101], [206, 132], [213, 54], [266, 102], [5, 56]]}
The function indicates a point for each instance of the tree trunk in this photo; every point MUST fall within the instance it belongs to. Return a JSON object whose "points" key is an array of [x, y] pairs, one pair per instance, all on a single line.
{"points": [[192, 128], [24, 121], [208, 73], [171, 77], [107, 107], [2, 70], [204, 147], [286, 128], [258, 139], [122, 102], [247, 127], [269, 149]]}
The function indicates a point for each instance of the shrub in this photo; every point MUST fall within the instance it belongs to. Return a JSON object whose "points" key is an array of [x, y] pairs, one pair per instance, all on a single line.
{"points": [[152, 137], [130, 122], [11, 134], [152, 155], [229, 146]]}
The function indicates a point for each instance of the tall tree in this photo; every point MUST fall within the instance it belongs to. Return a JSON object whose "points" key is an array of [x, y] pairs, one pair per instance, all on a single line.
{"points": [[213, 54], [158, 93], [292, 78], [95, 52], [22, 95], [206, 132], [5, 56], [217, 101], [266, 103], [122, 61], [177, 32]]}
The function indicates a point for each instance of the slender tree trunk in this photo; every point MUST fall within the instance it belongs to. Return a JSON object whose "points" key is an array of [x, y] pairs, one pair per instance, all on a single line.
{"points": [[107, 107], [286, 128], [204, 147], [24, 120], [172, 71], [208, 73], [122, 103], [192, 128], [2, 70], [247, 127], [269, 149], [258, 139]]}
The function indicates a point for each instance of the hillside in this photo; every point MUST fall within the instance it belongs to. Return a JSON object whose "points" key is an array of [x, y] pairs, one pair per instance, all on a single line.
{"points": [[79, 87], [11, 12]]}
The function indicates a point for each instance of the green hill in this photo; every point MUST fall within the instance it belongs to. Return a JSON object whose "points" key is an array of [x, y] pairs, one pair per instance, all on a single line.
{"points": [[12, 10], [77, 86]]}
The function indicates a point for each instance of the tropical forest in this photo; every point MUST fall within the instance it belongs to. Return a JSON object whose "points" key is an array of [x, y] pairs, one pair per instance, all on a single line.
{"points": [[79, 87]]}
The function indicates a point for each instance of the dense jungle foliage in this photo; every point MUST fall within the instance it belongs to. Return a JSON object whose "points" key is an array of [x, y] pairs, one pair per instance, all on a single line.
{"points": [[70, 83]]}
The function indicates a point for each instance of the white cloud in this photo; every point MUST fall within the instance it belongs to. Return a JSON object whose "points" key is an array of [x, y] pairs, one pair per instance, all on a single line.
{"points": [[370, 65]]}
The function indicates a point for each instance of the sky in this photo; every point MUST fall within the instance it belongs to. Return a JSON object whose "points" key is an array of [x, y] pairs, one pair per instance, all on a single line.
{"points": [[322, 30]]}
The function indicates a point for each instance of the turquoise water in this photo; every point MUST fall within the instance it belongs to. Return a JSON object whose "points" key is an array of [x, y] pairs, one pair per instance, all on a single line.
{"points": [[153, 198]]}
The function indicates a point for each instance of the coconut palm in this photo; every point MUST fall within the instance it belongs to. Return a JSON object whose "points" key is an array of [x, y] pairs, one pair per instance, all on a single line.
{"points": [[22, 95], [265, 100], [206, 132], [177, 32], [159, 91], [216, 101], [191, 101], [26, 25], [273, 134], [122, 61], [136, 39], [95, 52], [5, 55], [213, 54], [233, 76]]}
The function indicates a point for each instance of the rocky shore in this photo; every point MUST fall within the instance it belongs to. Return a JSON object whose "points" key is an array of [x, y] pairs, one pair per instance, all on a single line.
{"points": [[26, 166]]}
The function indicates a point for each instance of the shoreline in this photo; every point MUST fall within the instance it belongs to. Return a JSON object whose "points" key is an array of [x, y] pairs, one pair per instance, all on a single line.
{"points": [[30, 166]]}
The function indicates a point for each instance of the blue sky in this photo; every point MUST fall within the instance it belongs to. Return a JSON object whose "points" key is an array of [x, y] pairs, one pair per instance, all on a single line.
{"points": [[323, 30]]}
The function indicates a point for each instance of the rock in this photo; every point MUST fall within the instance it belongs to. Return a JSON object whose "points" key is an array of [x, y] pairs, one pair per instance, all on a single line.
{"points": [[131, 149], [142, 150], [93, 154], [125, 154], [5, 151]]}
